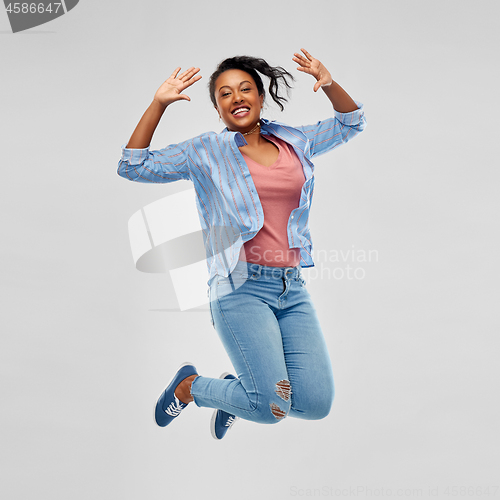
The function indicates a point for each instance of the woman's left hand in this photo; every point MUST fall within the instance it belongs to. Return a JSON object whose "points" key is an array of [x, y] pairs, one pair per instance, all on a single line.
{"points": [[314, 67]]}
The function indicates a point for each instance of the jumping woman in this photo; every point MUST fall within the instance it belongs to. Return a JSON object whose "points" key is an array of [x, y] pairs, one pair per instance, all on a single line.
{"points": [[254, 183]]}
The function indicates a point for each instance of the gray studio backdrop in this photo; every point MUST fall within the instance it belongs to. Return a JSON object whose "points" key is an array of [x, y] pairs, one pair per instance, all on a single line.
{"points": [[88, 341]]}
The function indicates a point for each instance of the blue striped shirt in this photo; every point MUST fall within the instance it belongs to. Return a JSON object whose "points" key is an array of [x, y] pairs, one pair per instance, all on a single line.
{"points": [[228, 204]]}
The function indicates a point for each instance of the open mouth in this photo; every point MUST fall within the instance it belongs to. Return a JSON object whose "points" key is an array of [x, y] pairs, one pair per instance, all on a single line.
{"points": [[240, 111]]}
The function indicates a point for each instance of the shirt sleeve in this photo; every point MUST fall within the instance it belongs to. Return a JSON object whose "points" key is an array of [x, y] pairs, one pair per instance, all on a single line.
{"points": [[341, 128], [159, 166]]}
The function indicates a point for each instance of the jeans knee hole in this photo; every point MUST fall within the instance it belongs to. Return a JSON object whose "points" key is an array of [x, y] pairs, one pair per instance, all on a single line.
{"points": [[283, 389], [277, 411]]}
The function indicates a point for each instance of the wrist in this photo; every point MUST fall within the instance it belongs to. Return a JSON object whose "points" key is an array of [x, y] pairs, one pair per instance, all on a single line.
{"points": [[327, 77], [158, 105]]}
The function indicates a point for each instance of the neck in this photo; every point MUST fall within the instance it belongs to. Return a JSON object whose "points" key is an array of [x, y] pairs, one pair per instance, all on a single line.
{"points": [[253, 136], [255, 129], [254, 139]]}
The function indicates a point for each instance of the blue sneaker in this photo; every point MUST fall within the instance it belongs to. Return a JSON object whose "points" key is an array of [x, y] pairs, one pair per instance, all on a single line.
{"points": [[222, 421], [168, 405]]}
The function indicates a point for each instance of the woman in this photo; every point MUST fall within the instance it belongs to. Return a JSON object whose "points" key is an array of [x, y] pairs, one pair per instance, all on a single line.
{"points": [[254, 183]]}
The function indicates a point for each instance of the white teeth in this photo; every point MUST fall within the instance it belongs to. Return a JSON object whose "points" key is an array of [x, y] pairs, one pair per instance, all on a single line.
{"points": [[240, 110]]}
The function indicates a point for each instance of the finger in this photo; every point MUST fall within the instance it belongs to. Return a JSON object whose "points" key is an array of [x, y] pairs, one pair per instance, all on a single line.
{"points": [[309, 56], [175, 72], [301, 63], [317, 86], [299, 58], [188, 73], [306, 70], [183, 75], [193, 80], [191, 75], [192, 71]]}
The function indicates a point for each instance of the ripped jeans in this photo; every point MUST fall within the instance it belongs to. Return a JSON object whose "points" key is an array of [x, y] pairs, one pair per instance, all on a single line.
{"points": [[267, 323]]}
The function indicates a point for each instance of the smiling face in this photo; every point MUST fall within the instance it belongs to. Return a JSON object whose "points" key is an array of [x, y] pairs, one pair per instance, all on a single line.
{"points": [[238, 100]]}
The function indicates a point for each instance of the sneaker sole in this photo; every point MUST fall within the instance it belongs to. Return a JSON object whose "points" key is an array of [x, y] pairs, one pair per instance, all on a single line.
{"points": [[161, 394], [214, 415]]}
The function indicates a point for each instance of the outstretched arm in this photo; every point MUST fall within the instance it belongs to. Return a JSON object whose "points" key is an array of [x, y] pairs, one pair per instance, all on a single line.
{"points": [[169, 164], [340, 99], [169, 92]]}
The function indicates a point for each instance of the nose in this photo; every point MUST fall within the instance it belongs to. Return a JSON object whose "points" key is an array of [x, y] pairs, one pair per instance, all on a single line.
{"points": [[237, 97]]}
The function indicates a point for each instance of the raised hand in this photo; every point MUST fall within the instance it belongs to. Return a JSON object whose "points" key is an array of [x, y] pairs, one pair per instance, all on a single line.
{"points": [[170, 90], [312, 66]]}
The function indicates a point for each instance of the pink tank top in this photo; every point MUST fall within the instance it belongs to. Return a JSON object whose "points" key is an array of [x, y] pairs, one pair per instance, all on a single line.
{"points": [[279, 189]]}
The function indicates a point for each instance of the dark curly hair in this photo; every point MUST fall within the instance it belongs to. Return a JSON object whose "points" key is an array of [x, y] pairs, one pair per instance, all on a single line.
{"points": [[253, 66]]}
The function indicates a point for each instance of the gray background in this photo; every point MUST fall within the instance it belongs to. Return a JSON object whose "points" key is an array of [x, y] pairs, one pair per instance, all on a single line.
{"points": [[86, 344]]}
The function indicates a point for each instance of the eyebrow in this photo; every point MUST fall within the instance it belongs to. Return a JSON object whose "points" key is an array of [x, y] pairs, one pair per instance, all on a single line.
{"points": [[241, 83]]}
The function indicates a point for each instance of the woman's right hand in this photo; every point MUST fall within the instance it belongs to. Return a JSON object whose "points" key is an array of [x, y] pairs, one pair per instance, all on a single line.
{"points": [[170, 90]]}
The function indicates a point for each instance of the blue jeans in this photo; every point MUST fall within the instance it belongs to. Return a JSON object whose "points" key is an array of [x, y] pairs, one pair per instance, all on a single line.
{"points": [[267, 323]]}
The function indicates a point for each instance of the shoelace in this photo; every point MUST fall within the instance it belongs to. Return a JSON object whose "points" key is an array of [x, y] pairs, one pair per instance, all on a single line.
{"points": [[175, 407], [230, 421]]}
